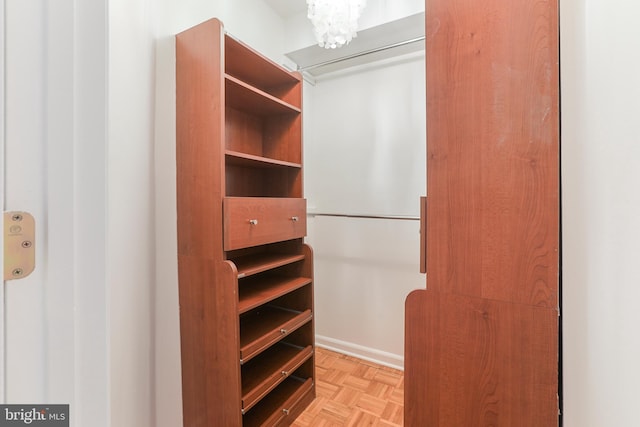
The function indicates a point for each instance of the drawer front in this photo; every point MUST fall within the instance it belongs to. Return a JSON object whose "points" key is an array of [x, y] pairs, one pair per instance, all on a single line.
{"points": [[252, 221]]}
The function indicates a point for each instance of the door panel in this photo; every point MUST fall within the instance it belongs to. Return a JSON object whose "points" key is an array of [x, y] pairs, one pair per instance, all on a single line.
{"points": [[481, 343], [492, 132]]}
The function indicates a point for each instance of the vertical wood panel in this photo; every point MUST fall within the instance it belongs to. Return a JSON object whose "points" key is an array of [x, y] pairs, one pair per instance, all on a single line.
{"points": [[199, 161], [481, 344], [481, 362], [492, 107], [209, 338], [209, 331]]}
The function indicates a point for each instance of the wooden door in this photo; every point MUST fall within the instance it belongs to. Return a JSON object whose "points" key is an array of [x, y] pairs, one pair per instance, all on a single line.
{"points": [[482, 340]]}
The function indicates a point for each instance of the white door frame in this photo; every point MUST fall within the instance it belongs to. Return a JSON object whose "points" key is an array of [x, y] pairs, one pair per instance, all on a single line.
{"points": [[71, 230], [2, 97]]}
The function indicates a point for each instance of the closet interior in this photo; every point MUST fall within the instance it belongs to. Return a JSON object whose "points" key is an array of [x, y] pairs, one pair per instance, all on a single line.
{"points": [[256, 300], [248, 294]]}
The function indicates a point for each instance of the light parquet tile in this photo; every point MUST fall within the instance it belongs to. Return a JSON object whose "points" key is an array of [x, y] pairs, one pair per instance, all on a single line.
{"points": [[354, 392]]}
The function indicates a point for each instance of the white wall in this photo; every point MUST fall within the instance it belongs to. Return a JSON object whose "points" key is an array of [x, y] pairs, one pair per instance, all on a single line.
{"points": [[600, 65], [365, 153], [130, 219], [91, 295]]}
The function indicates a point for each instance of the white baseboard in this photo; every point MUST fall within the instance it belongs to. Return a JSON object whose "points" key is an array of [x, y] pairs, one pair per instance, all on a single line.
{"points": [[366, 353]]}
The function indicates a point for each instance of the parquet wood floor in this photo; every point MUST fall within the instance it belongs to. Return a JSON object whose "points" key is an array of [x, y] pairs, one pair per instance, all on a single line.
{"points": [[354, 392]]}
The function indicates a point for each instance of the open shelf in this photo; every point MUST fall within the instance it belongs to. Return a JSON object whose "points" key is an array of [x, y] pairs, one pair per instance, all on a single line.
{"points": [[242, 96], [280, 403], [262, 141], [266, 326], [240, 62], [244, 159], [268, 370], [244, 181], [253, 264], [258, 292]]}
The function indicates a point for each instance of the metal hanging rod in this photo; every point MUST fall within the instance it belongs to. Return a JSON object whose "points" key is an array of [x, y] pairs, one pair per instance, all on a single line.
{"points": [[359, 54], [341, 215]]}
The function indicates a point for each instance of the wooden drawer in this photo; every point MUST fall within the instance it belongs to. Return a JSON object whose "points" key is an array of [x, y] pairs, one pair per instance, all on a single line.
{"points": [[252, 221]]}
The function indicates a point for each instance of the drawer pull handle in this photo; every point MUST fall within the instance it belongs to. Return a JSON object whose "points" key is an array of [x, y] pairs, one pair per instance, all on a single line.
{"points": [[285, 411], [253, 221], [283, 331], [294, 218], [284, 373]]}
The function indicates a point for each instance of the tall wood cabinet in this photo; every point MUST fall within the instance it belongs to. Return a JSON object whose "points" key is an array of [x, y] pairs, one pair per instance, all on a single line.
{"points": [[245, 273], [481, 345]]}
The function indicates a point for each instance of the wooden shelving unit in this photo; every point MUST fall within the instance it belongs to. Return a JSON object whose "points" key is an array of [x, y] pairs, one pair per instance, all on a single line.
{"points": [[245, 273]]}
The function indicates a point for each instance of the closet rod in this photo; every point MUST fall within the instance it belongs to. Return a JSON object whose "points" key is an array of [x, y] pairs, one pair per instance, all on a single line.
{"points": [[399, 217], [366, 52]]}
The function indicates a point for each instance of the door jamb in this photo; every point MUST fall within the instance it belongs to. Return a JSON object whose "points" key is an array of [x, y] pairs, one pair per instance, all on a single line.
{"points": [[2, 195]]}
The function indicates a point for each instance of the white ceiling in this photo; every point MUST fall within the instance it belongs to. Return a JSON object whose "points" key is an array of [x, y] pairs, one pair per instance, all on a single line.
{"points": [[286, 8]]}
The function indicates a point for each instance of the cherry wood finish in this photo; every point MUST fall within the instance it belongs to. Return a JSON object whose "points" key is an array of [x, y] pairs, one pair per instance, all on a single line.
{"points": [[198, 122], [244, 159], [245, 287], [264, 373], [244, 97], [252, 221], [259, 292], [480, 362], [255, 264], [492, 151], [481, 344], [290, 398], [267, 326], [208, 338], [240, 61]]}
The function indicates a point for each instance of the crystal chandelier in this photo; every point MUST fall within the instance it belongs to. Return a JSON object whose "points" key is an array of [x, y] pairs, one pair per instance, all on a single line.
{"points": [[335, 21]]}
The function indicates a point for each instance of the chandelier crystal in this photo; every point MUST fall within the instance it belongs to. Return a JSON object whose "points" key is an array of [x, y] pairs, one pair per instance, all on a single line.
{"points": [[334, 21]]}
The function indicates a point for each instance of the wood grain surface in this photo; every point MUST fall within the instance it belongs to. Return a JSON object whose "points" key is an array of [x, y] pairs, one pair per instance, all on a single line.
{"points": [[492, 148], [481, 342], [482, 362]]}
